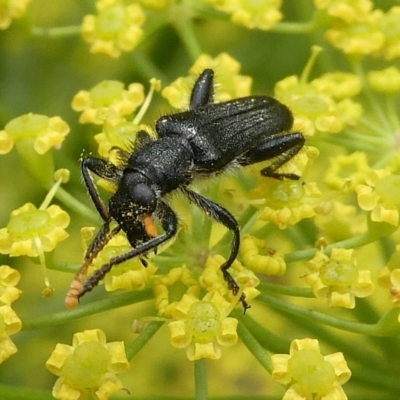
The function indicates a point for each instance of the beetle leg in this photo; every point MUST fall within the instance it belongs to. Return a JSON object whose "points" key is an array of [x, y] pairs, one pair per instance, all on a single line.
{"points": [[280, 148], [225, 218], [169, 223], [203, 90], [106, 171], [103, 237]]}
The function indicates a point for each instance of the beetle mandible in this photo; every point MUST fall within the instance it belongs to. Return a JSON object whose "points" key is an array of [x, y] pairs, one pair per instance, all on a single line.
{"points": [[203, 141]]}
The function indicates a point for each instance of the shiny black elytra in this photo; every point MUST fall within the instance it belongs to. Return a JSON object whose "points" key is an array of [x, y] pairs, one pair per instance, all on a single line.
{"points": [[202, 141]]}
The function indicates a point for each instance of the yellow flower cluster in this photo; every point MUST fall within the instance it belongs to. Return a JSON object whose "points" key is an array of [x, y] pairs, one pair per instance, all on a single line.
{"points": [[252, 14], [231, 83], [357, 29], [116, 27], [337, 278], [308, 373], [43, 132], [10, 324], [87, 368]]}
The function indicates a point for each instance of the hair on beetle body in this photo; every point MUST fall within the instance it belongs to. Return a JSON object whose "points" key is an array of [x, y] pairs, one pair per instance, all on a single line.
{"points": [[203, 141]]}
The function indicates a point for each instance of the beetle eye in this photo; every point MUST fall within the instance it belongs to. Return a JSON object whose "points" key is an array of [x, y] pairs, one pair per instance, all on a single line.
{"points": [[143, 197]]}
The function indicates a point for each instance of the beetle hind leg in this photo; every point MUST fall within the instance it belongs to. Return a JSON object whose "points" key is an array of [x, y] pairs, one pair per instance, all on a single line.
{"points": [[280, 149]]}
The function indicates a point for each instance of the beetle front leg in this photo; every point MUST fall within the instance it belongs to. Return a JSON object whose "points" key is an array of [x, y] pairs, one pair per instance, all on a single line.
{"points": [[169, 223], [104, 170], [103, 237], [225, 218]]}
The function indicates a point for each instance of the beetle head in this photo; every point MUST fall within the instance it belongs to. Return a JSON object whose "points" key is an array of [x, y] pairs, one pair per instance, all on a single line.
{"points": [[133, 201]]}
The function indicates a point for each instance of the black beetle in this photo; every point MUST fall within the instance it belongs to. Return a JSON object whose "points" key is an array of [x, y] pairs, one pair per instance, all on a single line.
{"points": [[202, 141]]}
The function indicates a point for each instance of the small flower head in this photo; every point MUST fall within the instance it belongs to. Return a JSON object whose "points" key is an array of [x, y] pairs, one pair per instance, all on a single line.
{"points": [[346, 171], [43, 132], [12, 9], [116, 28], [203, 326], [231, 84], [88, 368], [338, 221], [157, 5], [309, 373], [362, 36], [169, 289], [389, 277], [251, 251], [9, 278], [338, 279], [317, 105], [120, 134], [9, 325], [385, 81], [389, 25], [380, 195], [129, 275], [346, 10], [31, 230], [212, 279], [107, 101], [252, 14], [286, 202]]}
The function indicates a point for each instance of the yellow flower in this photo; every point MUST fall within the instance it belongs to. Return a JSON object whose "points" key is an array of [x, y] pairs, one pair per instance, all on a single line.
{"points": [[346, 171], [212, 279], [385, 81], [9, 325], [347, 10], [339, 222], [42, 131], [338, 85], [261, 14], [230, 84], [31, 230], [389, 277], [380, 195], [108, 101], [88, 366], [129, 275], [203, 326], [12, 9], [157, 5], [314, 103], [9, 278], [390, 27], [338, 279], [116, 28], [361, 36], [271, 263], [308, 373], [286, 202], [120, 134], [170, 288]]}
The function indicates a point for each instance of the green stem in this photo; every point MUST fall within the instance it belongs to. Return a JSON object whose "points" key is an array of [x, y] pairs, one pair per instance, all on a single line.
{"points": [[392, 112], [75, 205], [293, 27], [285, 290], [200, 379], [315, 317], [375, 231], [252, 344], [372, 98], [86, 310], [21, 393], [53, 33], [143, 338]]}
